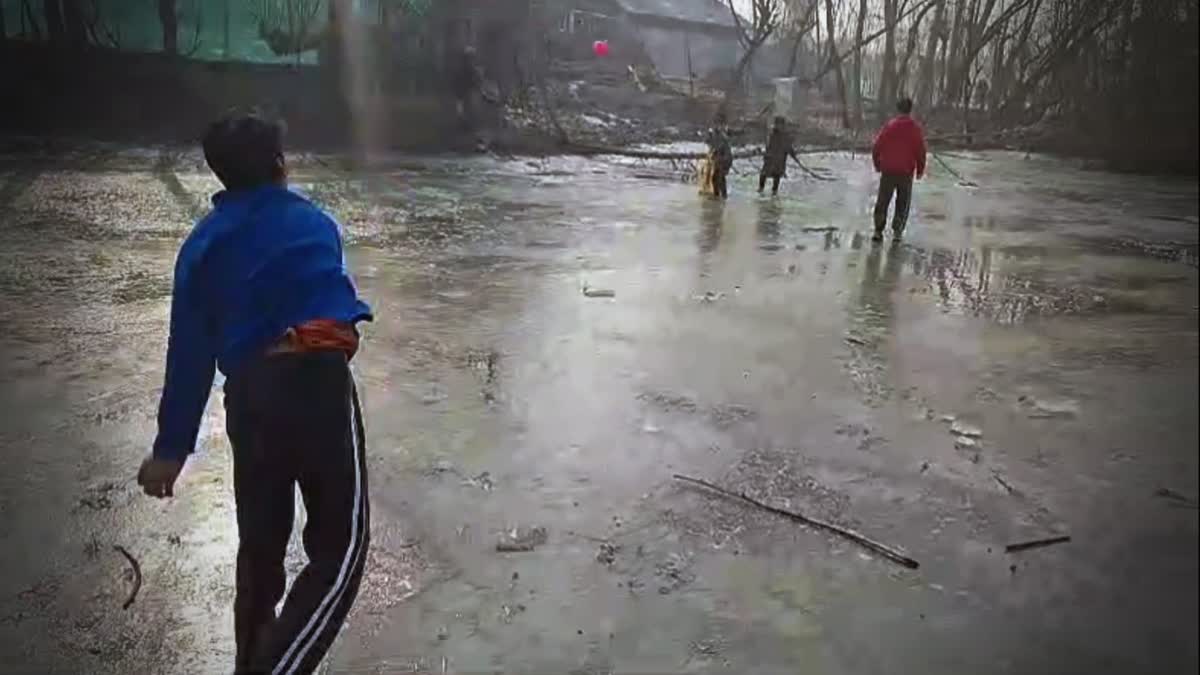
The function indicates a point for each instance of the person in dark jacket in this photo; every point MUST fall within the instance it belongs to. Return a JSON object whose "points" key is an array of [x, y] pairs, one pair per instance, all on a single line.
{"points": [[779, 148], [898, 154], [262, 293], [466, 80]]}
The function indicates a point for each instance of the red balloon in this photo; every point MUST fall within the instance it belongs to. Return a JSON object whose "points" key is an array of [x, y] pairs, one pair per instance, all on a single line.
{"points": [[600, 47]]}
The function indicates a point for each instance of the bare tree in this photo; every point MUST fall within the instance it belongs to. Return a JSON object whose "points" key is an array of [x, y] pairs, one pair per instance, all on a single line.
{"points": [[168, 19], [980, 30], [835, 62], [937, 34], [1017, 51], [801, 16], [765, 16], [290, 27], [914, 35], [1066, 31], [197, 28], [52, 13], [226, 12], [28, 18], [856, 71], [100, 31], [74, 24], [871, 37]]}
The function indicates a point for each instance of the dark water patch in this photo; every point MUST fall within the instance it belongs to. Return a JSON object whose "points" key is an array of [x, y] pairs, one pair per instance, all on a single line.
{"points": [[140, 286], [721, 416], [15, 184], [546, 243], [489, 263], [1142, 282], [1008, 223], [164, 171], [1191, 220], [1079, 196], [1088, 356], [985, 283], [47, 227], [1169, 251]]}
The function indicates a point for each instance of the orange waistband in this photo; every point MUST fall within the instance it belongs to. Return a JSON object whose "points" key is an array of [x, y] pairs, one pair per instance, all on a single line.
{"points": [[319, 335]]}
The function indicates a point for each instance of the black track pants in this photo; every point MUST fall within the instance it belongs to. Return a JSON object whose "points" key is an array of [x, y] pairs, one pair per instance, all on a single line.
{"points": [[901, 185], [294, 420]]}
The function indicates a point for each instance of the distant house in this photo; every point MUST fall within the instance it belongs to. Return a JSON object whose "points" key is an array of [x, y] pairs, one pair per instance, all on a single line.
{"points": [[671, 33]]}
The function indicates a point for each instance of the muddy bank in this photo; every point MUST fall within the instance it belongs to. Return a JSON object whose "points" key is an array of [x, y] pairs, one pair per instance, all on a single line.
{"points": [[151, 98], [112, 95]]}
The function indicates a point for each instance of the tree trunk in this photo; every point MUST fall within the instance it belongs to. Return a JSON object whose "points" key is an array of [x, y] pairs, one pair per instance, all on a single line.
{"points": [[914, 35], [950, 63], [960, 70], [793, 61], [168, 18], [1068, 30], [330, 60], [802, 28], [856, 77], [836, 61], [331, 49], [76, 29], [28, 19], [925, 83], [887, 84], [52, 12], [942, 65], [1019, 51], [225, 28], [998, 75], [687, 52], [978, 35], [819, 49], [739, 71]]}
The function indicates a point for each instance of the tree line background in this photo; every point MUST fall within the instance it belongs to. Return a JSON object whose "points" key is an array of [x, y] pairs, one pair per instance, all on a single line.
{"points": [[263, 31], [1120, 75]]}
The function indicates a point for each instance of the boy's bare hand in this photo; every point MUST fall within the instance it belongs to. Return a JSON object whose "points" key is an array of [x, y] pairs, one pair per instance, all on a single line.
{"points": [[157, 476]]}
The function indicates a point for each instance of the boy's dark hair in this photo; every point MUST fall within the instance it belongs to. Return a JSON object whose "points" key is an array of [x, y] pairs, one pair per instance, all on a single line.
{"points": [[245, 150], [904, 105]]}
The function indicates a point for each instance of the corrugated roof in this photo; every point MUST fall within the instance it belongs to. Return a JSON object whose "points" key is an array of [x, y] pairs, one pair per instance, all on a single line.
{"points": [[714, 12]]}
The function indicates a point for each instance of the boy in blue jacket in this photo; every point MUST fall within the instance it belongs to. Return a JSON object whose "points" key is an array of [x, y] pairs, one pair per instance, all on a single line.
{"points": [[261, 292]]}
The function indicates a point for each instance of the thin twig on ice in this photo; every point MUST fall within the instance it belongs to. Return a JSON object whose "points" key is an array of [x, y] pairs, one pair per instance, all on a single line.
{"points": [[812, 174], [1036, 543], [137, 575], [1176, 498], [954, 173], [882, 549]]}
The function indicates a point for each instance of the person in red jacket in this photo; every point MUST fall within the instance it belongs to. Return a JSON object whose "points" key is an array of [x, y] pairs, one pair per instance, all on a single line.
{"points": [[898, 154]]}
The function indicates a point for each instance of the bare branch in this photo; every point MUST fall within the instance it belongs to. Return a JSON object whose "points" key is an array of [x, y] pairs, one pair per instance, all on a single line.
{"points": [[841, 56], [289, 27], [737, 21], [102, 32], [196, 41]]}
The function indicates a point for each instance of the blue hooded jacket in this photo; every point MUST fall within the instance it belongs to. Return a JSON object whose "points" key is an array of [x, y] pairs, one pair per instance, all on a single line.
{"points": [[263, 260]]}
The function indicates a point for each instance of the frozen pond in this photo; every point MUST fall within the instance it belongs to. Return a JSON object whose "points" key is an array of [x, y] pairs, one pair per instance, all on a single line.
{"points": [[1023, 365]]}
